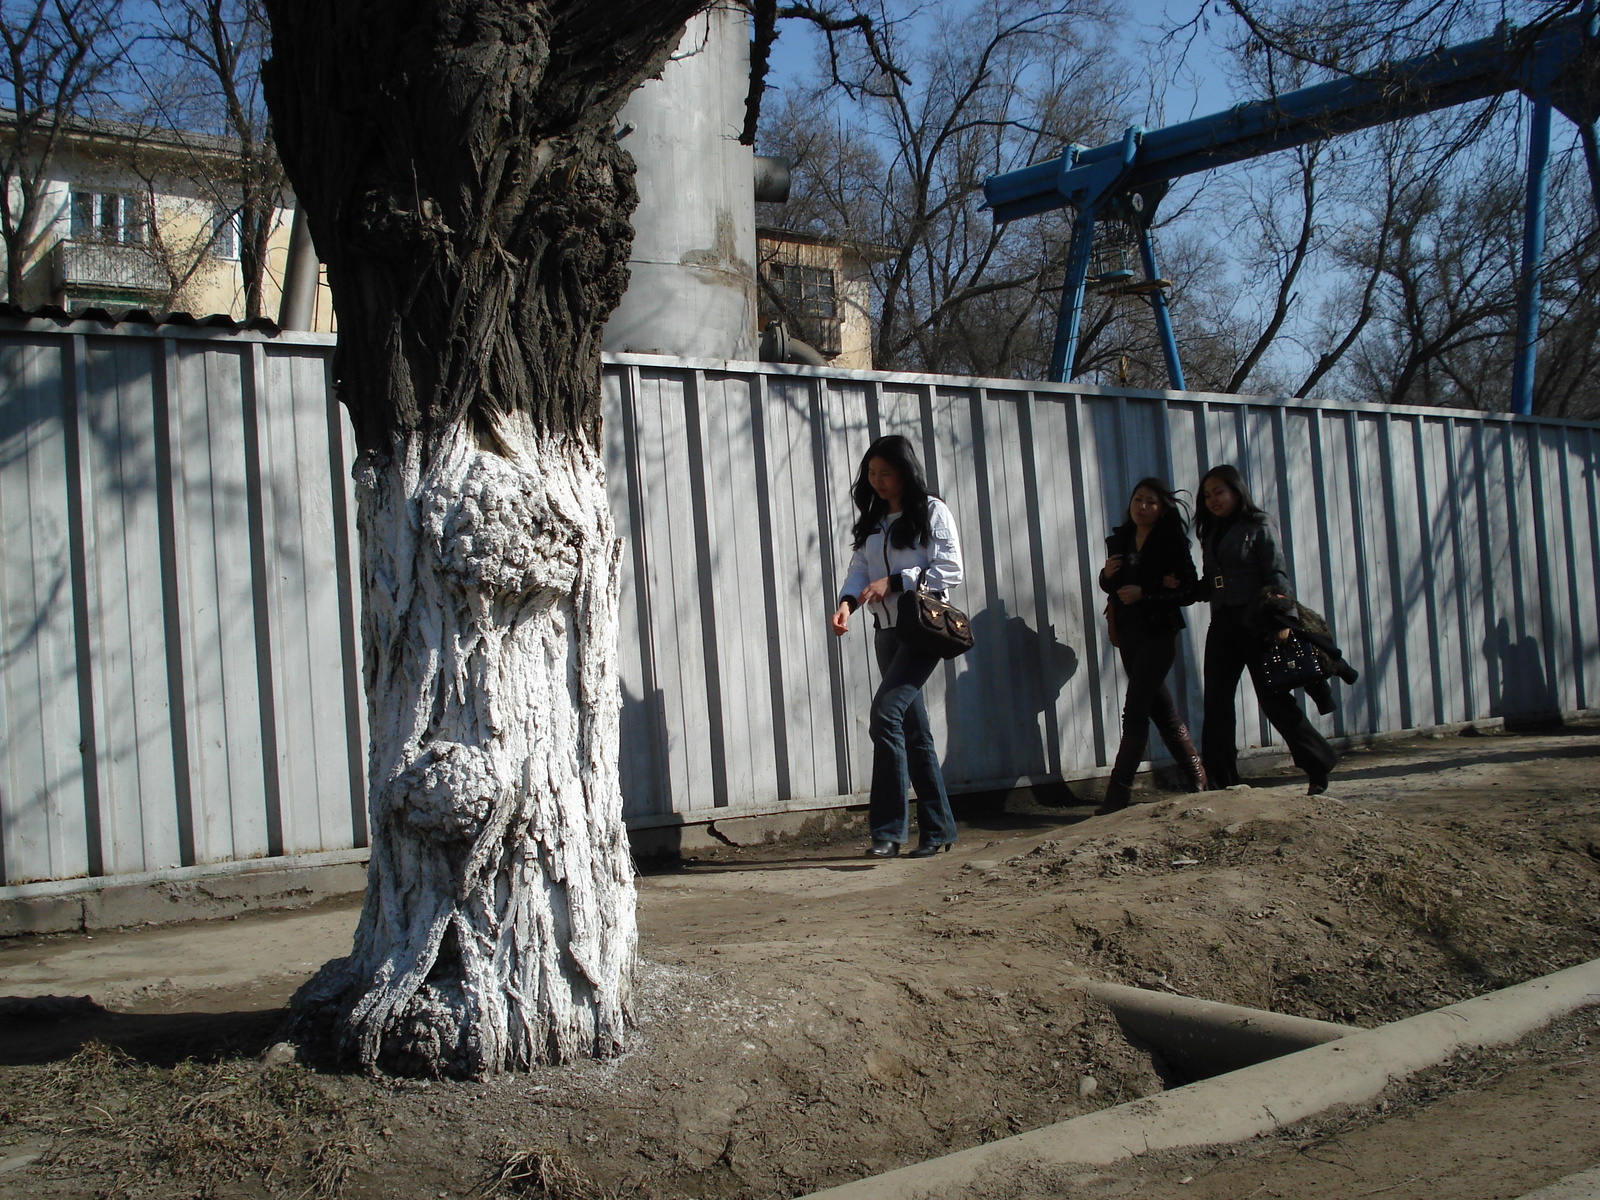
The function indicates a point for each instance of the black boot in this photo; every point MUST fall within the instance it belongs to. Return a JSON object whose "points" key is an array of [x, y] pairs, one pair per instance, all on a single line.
{"points": [[1187, 758], [1120, 788], [1115, 799]]}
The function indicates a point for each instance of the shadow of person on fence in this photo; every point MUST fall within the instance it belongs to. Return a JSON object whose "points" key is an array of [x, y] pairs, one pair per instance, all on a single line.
{"points": [[1000, 713], [1520, 690]]}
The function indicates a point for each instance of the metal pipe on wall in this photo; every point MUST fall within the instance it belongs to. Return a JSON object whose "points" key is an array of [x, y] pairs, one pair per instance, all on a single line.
{"points": [[301, 274]]}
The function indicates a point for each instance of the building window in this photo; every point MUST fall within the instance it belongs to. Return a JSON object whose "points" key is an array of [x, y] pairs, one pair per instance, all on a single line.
{"points": [[108, 217], [803, 291], [224, 232]]}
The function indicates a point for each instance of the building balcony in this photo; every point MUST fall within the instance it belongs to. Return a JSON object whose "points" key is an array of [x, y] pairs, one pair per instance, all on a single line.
{"points": [[108, 266]]}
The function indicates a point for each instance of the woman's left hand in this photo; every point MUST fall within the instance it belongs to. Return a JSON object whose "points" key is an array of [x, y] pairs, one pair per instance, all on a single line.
{"points": [[876, 590], [1131, 594], [1169, 581]]}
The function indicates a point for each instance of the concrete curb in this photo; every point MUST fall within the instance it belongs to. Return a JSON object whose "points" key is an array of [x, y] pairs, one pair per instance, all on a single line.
{"points": [[186, 894], [1585, 1185], [1251, 1101]]}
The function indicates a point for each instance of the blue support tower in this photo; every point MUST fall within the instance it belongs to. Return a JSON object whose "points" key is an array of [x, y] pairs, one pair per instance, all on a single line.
{"points": [[1532, 261], [1557, 65]]}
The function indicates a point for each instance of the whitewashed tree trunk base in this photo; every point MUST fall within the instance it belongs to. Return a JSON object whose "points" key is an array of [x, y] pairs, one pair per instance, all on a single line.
{"points": [[499, 926]]}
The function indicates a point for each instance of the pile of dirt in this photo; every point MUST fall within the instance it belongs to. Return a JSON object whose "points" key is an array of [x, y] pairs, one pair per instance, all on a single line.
{"points": [[1318, 907], [807, 1017]]}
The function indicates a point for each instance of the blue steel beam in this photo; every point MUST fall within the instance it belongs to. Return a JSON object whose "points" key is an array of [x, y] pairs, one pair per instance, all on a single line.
{"points": [[1527, 342], [1099, 183], [1158, 304], [1563, 55], [1558, 67]]}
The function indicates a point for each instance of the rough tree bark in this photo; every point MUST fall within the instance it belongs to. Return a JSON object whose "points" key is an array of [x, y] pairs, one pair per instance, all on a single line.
{"points": [[459, 169]]}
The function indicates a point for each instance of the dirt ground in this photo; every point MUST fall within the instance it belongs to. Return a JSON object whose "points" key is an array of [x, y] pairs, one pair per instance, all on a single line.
{"points": [[807, 1017]]}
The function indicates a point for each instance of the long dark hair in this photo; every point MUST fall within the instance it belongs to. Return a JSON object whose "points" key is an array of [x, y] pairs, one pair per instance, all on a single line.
{"points": [[1174, 518], [1229, 474], [913, 525]]}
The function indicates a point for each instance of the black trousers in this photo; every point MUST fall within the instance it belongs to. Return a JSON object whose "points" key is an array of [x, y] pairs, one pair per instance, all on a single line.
{"points": [[1228, 643], [1147, 656]]}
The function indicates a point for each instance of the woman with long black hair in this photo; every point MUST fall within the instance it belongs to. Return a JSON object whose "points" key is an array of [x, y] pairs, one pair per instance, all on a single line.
{"points": [[1241, 557], [903, 539], [1149, 575]]}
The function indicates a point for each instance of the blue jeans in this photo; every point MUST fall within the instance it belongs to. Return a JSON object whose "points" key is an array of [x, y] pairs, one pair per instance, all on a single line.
{"points": [[902, 746]]}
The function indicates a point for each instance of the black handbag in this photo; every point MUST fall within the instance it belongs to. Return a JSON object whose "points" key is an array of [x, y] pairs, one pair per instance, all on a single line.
{"points": [[932, 625], [1289, 662]]}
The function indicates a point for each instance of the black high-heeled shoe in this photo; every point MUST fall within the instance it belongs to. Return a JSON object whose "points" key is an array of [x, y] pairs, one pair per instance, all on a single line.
{"points": [[883, 848], [929, 849]]}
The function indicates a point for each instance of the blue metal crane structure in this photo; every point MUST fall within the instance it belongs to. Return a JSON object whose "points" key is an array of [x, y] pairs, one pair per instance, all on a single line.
{"points": [[1556, 65]]}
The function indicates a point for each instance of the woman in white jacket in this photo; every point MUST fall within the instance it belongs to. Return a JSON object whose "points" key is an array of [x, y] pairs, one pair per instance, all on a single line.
{"points": [[903, 539]]}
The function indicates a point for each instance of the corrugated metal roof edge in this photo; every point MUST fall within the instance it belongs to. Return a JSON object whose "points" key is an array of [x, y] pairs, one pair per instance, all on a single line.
{"points": [[107, 319]]}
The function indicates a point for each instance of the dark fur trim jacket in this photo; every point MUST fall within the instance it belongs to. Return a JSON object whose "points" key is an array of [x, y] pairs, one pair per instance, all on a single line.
{"points": [[1159, 610]]}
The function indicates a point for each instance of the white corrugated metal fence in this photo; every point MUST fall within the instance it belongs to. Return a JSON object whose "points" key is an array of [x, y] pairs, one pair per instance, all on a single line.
{"points": [[180, 682]]}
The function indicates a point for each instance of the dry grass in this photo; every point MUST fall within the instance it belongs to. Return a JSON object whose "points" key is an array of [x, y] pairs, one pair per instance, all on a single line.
{"points": [[538, 1174], [189, 1131]]}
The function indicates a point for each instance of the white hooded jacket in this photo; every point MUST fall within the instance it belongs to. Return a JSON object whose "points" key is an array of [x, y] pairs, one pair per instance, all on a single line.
{"points": [[935, 564]]}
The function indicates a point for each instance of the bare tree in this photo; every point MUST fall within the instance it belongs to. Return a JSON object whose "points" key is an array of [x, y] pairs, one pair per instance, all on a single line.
{"points": [[458, 165], [1447, 297], [915, 120], [59, 59], [1345, 36], [210, 82]]}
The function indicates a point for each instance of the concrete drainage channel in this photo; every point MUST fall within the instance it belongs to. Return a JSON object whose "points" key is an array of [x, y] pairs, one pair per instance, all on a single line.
{"points": [[1278, 1070]]}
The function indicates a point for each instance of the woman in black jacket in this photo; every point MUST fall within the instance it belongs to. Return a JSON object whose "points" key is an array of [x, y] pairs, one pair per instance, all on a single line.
{"points": [[1241, 556], [1150, 576]]}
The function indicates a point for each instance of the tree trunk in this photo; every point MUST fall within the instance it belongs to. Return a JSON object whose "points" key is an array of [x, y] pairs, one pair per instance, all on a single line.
{"points": [[498, 930], [465, 188]]}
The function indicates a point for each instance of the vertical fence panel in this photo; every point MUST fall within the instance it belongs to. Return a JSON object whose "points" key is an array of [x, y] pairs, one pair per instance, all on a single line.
{"points": [[1442, 540], [642, 765], [303, 591], [125, 597], [976, 743], [1411, 571], [1101, 494], [1185, 438], [1070, 613], [180, 597], [1553, 536], [736, 491], [1520, 642], [1579, 487], [668, 403], [1310, 555], [846, 420], [808, 563], [44, 823], [216, 592]]}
